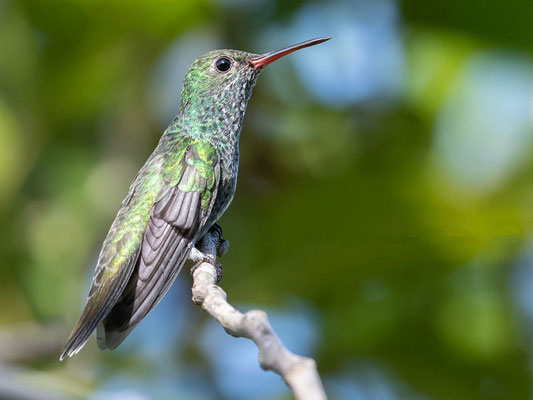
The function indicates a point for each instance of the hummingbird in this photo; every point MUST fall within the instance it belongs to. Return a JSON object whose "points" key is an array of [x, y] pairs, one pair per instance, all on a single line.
{"points": [[181, 191]]}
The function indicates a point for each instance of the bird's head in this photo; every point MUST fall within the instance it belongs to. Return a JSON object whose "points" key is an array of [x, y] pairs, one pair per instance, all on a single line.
{"points": [[218, 85]]}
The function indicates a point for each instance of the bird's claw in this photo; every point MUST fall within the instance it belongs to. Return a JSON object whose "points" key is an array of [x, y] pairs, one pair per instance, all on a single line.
{"points": [[221, 249], [218, 266], [210, 260]]}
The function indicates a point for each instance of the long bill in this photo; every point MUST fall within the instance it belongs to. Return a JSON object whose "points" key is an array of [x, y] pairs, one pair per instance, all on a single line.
{"points": [[267, 58]]}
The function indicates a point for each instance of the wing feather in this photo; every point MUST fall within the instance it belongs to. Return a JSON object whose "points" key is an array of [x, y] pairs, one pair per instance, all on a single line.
{"points": [[119, 253], [165, 211], [176, 220]]}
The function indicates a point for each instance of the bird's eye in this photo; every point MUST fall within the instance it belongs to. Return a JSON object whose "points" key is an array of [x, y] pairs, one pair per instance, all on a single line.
{"points": [[223, 64]]}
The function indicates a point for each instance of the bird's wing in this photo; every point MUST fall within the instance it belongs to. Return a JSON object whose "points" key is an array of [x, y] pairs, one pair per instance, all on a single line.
{"points": [[160, 180], [176, 218], [119, 253]]}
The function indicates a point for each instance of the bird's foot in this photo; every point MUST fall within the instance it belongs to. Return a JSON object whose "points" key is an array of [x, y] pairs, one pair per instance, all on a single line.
{"points": [[205, 252], [222, 248], [208, 258]]}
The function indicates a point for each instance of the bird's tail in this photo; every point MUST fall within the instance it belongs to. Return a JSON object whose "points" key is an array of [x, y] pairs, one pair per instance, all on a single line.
{"points": [[77, 339], [101, 299]]}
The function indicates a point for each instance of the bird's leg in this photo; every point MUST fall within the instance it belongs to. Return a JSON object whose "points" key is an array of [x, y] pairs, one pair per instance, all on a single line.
{"points": [[207, 249]]}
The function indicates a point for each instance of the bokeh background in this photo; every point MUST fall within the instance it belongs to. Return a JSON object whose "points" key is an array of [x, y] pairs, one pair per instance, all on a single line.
{"points": [[384, 212]]}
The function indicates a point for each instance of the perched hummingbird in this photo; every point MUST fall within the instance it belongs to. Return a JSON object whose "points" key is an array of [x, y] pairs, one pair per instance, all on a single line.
{"points": [[178, 195]]}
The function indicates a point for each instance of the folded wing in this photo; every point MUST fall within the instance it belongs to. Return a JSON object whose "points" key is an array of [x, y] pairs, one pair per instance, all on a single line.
{"points": [[176, 220]]}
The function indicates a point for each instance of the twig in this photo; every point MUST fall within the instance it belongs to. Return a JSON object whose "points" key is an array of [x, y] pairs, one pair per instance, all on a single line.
{"points": [[299, 373]]}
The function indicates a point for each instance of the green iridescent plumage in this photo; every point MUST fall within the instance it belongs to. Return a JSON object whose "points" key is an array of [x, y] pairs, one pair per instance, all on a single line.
{"points": [[181, 191]]}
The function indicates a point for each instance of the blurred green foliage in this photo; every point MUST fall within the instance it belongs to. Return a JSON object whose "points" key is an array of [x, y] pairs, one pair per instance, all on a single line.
{"points": [[348, 208]]}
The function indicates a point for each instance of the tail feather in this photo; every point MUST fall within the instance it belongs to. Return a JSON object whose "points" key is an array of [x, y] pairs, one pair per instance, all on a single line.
{"points": [[109, 340], [99, 303]]}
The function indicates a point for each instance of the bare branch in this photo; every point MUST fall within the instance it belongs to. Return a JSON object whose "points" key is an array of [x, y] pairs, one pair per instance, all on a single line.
{"points": [[298, 372]]}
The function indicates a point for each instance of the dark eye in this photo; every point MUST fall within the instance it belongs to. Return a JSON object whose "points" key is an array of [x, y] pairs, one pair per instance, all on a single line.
{"points": [[223, 64]]}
